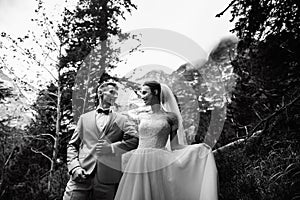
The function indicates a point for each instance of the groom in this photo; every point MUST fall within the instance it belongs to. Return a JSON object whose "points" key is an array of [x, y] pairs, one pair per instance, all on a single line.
{"points": [[94, 151]]}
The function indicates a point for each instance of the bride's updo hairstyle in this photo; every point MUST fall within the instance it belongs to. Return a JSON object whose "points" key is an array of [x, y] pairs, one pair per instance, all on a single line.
{"points": [[153, 85]]}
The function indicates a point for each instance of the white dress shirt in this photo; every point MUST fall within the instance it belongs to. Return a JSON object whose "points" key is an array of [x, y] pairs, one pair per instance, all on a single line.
{"points": [[101, 122]]}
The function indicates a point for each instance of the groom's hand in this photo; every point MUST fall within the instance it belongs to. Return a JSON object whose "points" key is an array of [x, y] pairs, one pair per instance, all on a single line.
{"points": [[103, 147], [79, 174]]}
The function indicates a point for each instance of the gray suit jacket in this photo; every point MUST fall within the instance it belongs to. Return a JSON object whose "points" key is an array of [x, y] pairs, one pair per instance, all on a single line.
{"points": [[81, 148]]}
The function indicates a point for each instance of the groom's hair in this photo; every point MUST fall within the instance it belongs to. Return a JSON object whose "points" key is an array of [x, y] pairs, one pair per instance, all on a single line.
{"points": [[153, 85]]}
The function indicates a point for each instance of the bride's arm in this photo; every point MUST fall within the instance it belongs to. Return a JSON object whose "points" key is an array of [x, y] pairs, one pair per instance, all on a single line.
{"points": [[174, 141], [173, 135]]}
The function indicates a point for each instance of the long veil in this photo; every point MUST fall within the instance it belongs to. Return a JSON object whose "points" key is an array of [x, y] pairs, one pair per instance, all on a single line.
{"points": [[169, 104]]}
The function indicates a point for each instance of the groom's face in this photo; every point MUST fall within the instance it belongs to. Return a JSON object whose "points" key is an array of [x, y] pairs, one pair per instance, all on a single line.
{"points": [[108, 95]]}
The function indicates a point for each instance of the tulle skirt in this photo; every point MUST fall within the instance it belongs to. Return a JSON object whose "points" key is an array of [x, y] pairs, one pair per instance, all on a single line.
{"points": [[158, 174]]}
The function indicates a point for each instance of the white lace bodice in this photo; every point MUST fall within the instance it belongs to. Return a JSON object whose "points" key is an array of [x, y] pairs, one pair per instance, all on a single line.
{"points": [[154, 130]]}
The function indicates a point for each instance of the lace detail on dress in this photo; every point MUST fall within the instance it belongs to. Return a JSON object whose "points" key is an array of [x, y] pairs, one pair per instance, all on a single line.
{"points": [[154, 131]]}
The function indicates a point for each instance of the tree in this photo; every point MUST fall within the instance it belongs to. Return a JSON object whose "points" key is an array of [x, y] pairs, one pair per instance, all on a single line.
{"points": [[84, 33], [38, 50], [266, 100], [213, 82], [4, 91], [9, 135], [85, 28], [267, 62]]}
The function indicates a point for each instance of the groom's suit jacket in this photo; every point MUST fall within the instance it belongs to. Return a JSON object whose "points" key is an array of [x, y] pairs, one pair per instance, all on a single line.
{"points": [[81, 149]]}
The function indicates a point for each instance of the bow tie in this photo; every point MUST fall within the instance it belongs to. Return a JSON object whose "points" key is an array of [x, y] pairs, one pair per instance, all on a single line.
{"points": [[104, 111]]}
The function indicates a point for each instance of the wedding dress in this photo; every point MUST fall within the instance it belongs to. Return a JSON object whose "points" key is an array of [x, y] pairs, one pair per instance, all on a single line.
{"points": [[151, 172]]}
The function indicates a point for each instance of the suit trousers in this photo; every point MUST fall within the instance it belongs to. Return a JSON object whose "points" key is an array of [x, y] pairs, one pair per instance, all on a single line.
{"points": [[90, 189]]}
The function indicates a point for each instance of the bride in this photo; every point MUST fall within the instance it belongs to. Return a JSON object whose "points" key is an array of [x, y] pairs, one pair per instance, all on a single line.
{"points": [[163, 167]]}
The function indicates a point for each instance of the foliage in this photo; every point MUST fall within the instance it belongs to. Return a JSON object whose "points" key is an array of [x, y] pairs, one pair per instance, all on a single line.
{"points": [[46, 137], [257, 19], [266, 67], [88, 28], [265, 99], [4, 91], [212, 82], [266, 168]]}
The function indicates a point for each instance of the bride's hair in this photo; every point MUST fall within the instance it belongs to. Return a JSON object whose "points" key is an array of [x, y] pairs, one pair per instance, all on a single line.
{"points": [[153, 85]]}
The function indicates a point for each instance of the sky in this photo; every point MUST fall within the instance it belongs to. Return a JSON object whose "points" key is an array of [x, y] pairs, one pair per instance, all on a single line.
{"points": [[195, 19]]}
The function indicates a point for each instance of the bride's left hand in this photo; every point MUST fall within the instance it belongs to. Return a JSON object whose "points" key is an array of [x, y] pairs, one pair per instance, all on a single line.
{"points": [[179, 146]]}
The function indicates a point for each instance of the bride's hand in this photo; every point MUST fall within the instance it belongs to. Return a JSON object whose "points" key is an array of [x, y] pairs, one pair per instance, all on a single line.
{"points": [[179, 146]]}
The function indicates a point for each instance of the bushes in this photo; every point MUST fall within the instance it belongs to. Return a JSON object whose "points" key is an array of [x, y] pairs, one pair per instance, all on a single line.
{"points": [[26, 178], [267, 169]]}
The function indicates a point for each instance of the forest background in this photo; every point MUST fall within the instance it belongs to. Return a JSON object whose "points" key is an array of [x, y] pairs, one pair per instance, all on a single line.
{"points": [[257, 154]]}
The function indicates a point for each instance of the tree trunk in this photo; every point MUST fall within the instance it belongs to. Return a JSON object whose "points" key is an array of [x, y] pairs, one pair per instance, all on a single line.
{"points": [[57, 135], [245, 141]]}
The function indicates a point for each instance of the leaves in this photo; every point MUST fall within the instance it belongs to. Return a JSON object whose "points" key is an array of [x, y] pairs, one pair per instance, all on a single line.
{"points": [[4, 91], [268, 74], [62, 48]]}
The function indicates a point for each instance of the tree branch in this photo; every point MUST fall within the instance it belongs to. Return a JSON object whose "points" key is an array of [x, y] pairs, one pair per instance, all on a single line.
{"points": [[236, 143], [274, 114], [47, 134], [19, 79], [9, 157], [221, 13], [34, 59], [254, 135], [227, 146], [39, 152]]}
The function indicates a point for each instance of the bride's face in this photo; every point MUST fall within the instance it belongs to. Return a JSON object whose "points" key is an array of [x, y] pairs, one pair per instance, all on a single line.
{"points": [[147, 96]]}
